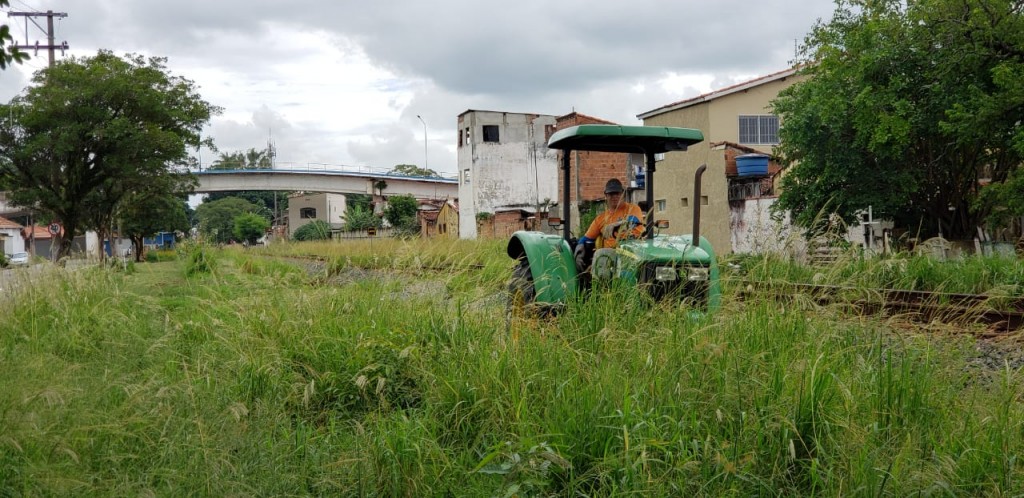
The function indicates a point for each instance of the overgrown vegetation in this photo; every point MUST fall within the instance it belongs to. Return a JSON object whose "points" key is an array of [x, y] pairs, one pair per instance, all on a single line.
{"points": [[378, 368], [314, 230], [971, 275]]}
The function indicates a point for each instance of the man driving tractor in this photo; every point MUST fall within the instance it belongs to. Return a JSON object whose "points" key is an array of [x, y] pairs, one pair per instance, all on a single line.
{"points": [[619, 221]]}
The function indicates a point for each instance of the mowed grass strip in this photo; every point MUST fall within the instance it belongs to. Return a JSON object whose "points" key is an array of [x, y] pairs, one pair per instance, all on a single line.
{"points": [[365, 377]]}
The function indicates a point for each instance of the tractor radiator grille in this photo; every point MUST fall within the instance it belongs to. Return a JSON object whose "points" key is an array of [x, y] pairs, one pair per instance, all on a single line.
{"points": [[681, 287]]}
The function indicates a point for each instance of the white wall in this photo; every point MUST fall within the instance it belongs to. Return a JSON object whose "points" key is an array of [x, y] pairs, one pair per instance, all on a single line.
{"points": [[753, 231], [11, 240], [517, 171], [329, 208]]}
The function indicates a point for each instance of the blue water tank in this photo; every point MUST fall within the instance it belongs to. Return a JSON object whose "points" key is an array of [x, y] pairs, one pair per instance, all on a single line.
{"points": [[752, 165]]}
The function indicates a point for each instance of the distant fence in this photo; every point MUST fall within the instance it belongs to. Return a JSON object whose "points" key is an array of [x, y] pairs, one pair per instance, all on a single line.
{"points": [[382, 233]]}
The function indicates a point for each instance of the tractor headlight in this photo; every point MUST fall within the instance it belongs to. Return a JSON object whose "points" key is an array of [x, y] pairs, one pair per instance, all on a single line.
{"points": [[698, 274], [665, 274]]}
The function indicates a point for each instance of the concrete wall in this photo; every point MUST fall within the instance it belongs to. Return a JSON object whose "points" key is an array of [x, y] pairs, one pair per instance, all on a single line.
{"points": [[329, 208], [517, 171], [753, 231]]}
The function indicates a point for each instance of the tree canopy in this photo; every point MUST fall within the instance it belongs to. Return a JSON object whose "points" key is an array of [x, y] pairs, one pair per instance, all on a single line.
{"points": [[217, 218], [250, 159], [250, 226], [908, 106], [401, 214], [145, 215], [413, 170], [92, 130]]}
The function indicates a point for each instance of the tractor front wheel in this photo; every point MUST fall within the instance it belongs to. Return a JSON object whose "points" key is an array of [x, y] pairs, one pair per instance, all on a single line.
{"points": [[521, 292]]}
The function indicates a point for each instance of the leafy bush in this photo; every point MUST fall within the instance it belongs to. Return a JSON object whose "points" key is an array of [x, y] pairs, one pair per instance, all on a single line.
{"points": [[250, 226], [399, 208], [359, 218], [317, 230]]}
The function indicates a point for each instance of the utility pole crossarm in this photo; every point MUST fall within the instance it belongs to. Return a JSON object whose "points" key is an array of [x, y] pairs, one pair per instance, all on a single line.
{"points": [[50, 46]]}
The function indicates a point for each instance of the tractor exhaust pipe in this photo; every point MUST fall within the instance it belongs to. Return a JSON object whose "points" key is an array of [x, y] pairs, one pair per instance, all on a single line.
{"points": [[696, 204]]}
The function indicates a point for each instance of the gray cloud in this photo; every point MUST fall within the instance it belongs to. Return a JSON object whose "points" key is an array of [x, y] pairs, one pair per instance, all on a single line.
{"points": [[442, 57]]}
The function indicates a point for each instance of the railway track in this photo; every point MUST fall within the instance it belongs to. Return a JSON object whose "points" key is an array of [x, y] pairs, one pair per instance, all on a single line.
{"points": [[999, 314]]}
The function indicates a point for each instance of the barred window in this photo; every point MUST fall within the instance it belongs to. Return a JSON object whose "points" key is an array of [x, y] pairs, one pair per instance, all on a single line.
{"points": [[307, 213], [759, 130]]}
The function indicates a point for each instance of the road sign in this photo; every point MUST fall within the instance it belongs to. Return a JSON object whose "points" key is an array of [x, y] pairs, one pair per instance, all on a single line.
{"points": [[371, 232], [54, 228]]}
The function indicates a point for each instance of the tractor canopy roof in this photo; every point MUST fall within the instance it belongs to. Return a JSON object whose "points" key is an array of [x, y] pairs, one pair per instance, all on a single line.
{"points": [[615, 138]]}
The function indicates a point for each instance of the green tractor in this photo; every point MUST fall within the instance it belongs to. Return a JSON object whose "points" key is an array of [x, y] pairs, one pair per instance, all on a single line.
{"points": [[663, 266]]}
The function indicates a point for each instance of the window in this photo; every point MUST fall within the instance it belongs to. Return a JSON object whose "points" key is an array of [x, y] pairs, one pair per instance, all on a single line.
{"points": [[465, 176], [660, 203], [307, 213], [491, 133], [759, 130]]}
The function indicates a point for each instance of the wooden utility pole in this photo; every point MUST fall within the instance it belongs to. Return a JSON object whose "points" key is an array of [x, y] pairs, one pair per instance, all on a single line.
{"points": [[49, 46]]}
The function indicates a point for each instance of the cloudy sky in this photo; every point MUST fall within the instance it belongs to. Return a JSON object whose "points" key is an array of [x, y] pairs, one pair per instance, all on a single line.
{"points": [[342, 82]]}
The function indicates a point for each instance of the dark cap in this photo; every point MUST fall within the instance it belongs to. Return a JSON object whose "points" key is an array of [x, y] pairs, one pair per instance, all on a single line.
{"points": [[614, 186]]}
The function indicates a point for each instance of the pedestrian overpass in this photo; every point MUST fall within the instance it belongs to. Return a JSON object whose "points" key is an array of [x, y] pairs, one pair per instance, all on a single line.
{"points": [[322, 180]]}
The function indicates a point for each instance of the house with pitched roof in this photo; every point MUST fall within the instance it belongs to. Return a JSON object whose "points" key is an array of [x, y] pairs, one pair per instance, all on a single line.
{"points": [[736, 121]]}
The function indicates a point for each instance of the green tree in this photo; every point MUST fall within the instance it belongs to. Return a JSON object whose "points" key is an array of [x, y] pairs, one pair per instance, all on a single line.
{"points": [[362, 201], [8, 52], [908, 104], [359, 212], [97, 128], [401, 214], [146, 215], [314, 230], [413, 170], [250, 159], [358, 218], [250, 226], [217, 218]]}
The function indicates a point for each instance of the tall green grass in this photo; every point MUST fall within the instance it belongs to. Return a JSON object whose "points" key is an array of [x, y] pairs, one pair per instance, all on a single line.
{"points": [[266, 377], [999, 276]]}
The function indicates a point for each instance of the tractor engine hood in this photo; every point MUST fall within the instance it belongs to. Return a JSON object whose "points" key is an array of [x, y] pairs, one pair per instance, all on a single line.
{"points": [[667, 249]]}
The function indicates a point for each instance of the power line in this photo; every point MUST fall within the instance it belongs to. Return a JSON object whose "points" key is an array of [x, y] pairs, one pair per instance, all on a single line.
{"points": [[49, 46]]}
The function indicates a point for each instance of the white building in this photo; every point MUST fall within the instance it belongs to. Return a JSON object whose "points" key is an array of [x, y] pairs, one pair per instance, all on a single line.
{"points": [[306, 208], [10, 237], [504, 164]]}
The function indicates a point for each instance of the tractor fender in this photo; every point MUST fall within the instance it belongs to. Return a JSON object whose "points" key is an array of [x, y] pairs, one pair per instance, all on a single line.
{"points": [[551, 264]]}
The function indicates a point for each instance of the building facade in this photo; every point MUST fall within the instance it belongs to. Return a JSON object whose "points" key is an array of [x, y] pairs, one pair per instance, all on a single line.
{"points": [[304, 208], [504, 166], [739, 114], [11, 240]]}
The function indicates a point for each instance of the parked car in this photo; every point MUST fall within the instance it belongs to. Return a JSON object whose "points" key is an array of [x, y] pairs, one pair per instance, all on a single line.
{"points": [[18, 259]]}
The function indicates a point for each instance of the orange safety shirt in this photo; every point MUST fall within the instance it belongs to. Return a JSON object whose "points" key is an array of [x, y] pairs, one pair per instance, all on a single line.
{"points": [[624, 210]]}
